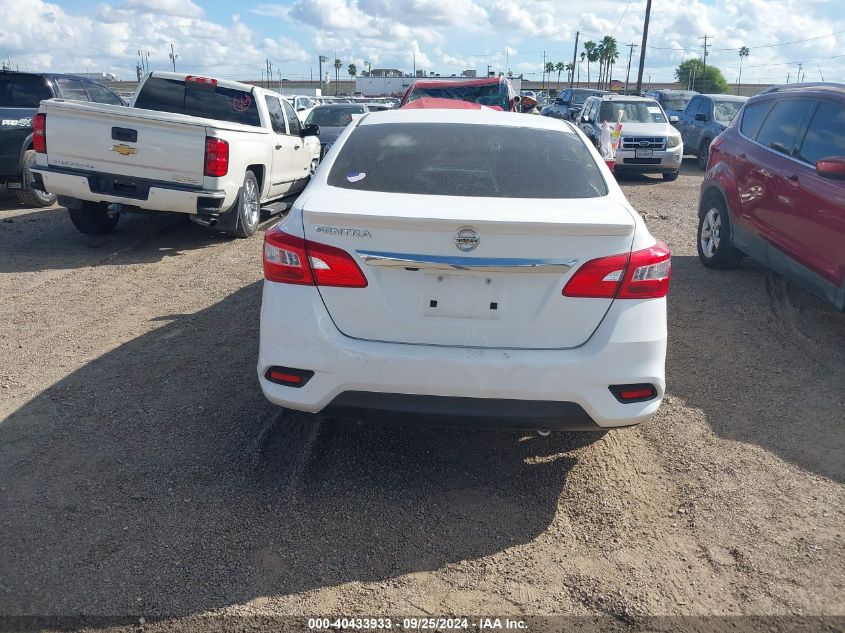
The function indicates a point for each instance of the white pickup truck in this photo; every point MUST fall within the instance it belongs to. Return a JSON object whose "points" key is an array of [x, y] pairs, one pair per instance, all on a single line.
{"points": [[215, 150]]}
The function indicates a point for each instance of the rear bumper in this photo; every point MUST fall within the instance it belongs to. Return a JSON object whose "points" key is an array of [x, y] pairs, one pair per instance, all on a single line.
{"points": [[152, 195], [629, 346], [425, 410]]}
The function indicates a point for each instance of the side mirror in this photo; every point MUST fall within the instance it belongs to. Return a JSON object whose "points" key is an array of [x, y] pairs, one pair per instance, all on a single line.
{"points": [[831, 167], [311, 130], [700, 116], [673, 119]]}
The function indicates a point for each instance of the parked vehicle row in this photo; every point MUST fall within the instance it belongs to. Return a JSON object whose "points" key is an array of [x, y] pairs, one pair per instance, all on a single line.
{"points": [[215, 150], [704, 118]]}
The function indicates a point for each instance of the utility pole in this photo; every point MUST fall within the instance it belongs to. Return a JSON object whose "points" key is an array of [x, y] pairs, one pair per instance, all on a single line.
{"points": [[631, 46], [799, 72], [642, 48], [574, 58], [173, 57], [543, 79], [704, 69], [323, 58]]}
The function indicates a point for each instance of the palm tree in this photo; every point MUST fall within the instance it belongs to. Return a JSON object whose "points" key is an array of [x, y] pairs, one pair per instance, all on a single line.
{"points": [[570, 71], [590, 54], [609, 52], [743, 53], [352, 70], [337, 65], [549, 69], [560, 67]]}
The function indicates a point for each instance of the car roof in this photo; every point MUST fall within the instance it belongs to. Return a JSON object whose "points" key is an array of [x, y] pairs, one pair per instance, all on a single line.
{"points": [[46, 74], [471, 117], [724, 97], [612, 97], [443, 83], [338, 105], [817, 87]]}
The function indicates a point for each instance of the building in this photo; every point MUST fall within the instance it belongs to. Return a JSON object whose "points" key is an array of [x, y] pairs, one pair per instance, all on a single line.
{"points": [[385, 72], [470, 73]]}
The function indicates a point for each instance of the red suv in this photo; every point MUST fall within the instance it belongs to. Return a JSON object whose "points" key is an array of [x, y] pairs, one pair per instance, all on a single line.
{"points": [[775, 188]]}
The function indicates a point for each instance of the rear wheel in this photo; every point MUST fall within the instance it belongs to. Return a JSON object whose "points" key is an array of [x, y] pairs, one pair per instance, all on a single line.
{"points": [[93, 218], [671, 176], [704, 154], [29, 196], [714, 235], [248, 207]]}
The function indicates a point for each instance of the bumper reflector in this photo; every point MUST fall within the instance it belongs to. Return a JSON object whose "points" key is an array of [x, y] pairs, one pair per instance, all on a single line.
{"points": [[288, 377], [633, 393]]}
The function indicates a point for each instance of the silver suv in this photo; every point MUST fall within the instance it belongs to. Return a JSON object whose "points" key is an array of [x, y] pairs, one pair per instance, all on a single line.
{"points": [[649, 144]]}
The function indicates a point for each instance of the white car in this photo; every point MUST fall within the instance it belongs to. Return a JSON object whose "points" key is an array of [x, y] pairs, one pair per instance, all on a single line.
{"points": [[465, 267]]}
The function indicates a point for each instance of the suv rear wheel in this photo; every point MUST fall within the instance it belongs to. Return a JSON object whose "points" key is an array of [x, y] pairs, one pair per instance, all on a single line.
{"points": [[714, 235]]}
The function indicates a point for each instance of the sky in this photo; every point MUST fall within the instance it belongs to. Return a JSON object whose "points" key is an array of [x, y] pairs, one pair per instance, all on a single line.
{"points": [[234, 40]]}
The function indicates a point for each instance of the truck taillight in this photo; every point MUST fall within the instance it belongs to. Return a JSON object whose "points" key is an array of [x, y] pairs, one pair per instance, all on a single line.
{"points": [[292, 260], [643, 274], [216, 156], [39, 133], [201, 80]]}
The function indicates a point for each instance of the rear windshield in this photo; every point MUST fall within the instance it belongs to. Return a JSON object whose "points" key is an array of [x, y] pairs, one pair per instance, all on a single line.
{"points": [[675, 103], [22, 91], [486, 94], [725, 111], [452, 159], [329, 116], [632, 112], [196, 99]]}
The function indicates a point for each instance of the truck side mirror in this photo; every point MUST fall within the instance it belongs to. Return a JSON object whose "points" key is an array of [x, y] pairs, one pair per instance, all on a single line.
{"points": [[311, 130]]}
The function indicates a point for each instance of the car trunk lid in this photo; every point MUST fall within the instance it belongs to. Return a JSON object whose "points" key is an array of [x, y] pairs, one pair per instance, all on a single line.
{"points": [[478, 272]]}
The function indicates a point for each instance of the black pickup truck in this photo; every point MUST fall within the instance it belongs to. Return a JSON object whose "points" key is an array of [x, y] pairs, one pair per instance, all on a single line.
{"points": [[20, 95]]}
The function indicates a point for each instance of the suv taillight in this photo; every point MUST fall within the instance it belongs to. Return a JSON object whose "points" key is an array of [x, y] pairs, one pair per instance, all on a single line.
{"points": [[216, 156], [39, 133], [292, 260], [643, 274]]}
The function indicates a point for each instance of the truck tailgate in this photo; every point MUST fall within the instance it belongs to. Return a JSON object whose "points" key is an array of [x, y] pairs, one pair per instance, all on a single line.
{"points": [[125, 141]]}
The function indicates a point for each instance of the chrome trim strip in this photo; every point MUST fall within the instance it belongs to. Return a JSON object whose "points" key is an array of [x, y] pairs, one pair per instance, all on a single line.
{"points": [[478, 264]]}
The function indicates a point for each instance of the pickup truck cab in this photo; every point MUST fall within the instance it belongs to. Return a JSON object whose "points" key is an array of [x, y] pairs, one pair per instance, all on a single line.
{"points": [[212, 149], [705, 117], [493, 92], [20, 95]]}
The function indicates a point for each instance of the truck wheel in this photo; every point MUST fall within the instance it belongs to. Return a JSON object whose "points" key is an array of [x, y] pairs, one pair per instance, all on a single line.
{"points": [[704, 154], [93, 218], [248, 207], [29, 196]]}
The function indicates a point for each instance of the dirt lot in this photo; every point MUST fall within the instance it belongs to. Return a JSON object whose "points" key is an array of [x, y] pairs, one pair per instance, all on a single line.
{"points": [[143, 473]]}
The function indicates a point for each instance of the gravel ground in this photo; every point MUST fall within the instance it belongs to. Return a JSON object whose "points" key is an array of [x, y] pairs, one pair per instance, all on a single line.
{"points": [[142, 472]]}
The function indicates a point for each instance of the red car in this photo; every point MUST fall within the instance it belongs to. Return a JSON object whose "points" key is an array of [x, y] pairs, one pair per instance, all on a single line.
{"points": [[494, 92], [775, 188]]}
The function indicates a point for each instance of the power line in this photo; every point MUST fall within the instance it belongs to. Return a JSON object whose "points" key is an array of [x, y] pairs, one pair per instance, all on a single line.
{"points": [[613, 32]]}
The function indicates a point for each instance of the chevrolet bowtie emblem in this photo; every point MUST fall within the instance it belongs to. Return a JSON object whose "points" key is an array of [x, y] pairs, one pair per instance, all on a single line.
{"points": [[124, 150]]}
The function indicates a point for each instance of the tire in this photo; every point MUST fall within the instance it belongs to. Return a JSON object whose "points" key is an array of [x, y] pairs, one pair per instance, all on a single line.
{"points": [[703, 154], [671, 177], [93, 218], [248, 207], [29, 196], [714, 235]]}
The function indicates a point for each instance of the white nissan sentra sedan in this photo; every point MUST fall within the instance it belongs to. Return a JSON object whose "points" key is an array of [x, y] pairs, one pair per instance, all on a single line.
{"points": [[465, 267]]}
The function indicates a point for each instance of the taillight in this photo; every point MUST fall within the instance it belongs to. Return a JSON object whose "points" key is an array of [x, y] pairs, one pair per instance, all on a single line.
{"points": [[39, 133], [633, 393], [641, 275], [216, 156], [292, 260]]}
